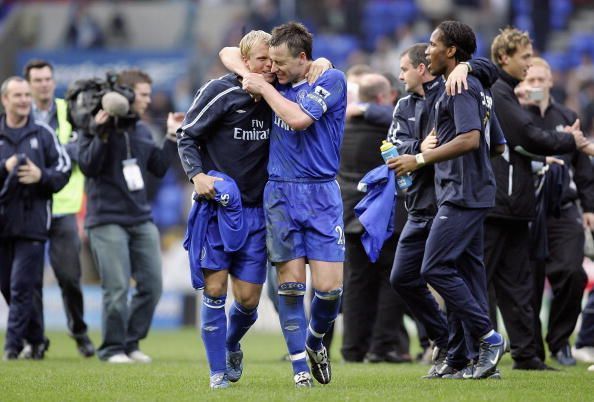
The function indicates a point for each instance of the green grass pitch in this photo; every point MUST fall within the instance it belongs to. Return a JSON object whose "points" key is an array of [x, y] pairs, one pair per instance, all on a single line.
{"points": [[179, 372]]}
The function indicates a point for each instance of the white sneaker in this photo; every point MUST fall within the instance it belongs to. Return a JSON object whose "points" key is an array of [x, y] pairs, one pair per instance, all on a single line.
{"points": [[591, 368], [119, 359], [585, 354], [139, 357]]}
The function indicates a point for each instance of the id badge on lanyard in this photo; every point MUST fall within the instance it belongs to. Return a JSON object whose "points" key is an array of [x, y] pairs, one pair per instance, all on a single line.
{"points": [[131, 170]]}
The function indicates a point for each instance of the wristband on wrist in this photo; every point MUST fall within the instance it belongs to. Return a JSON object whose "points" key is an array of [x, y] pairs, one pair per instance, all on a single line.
{"points": [[420, 159]]}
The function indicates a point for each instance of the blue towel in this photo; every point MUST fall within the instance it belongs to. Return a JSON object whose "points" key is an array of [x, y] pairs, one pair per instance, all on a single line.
{"points": [[376, 210], [228, 209]]}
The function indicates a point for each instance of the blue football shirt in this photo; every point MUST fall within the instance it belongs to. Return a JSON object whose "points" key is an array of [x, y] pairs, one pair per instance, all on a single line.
{"points": [[468, 180], [313, 153]]}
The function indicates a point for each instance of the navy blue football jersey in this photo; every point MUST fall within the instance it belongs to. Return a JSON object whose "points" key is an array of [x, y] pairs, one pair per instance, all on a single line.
{"points": [[227, 131], [468, 180]]}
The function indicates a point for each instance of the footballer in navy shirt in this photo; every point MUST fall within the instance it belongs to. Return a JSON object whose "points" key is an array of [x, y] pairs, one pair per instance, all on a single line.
{"points": [[465, 188], [468, 180], [226, 130]]}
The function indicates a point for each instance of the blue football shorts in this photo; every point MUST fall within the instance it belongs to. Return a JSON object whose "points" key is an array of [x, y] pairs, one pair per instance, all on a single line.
{"points": [[304, 219], [248, 263]]}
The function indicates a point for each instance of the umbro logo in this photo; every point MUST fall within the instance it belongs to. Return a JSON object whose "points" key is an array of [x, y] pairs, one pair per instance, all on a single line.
{"points": [[240, 111]]}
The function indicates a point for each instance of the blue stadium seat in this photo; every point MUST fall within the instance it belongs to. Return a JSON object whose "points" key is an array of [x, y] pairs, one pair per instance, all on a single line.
{"points": [[168, 204], [383, 17], [335, 47]]}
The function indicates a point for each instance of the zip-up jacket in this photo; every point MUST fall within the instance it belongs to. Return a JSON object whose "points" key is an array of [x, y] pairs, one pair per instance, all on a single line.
{"points": [[413, 119], [109, 199], [25, 209], [513, 173]]}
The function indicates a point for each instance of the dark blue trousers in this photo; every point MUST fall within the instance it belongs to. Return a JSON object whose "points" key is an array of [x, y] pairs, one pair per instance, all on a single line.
{"points": [[473, 272], [21, 279], [407, 281], [453, 265]]}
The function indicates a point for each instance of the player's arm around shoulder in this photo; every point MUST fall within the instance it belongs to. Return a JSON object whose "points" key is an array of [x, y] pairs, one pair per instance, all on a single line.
{"points": [[290, 112], [326, 94]]}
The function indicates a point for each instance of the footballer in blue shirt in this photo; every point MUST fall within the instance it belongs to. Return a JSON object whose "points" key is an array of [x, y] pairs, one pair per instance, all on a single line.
{"points": [[465, 190], [302, 200]]}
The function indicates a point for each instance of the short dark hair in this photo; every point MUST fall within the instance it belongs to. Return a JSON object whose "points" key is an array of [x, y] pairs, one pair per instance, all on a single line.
{"points": [[459, 35], [416, 54], [296, 36], [33, 64], [133, 76]]}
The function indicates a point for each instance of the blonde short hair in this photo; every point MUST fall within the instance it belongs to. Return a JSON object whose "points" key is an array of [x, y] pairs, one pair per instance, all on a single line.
{"points": [[507, 43], [251, 39], [540, 62]]}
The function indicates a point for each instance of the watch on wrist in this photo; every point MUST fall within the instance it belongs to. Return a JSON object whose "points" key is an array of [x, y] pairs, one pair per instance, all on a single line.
{"points": [[420, 160], [467, 64]]}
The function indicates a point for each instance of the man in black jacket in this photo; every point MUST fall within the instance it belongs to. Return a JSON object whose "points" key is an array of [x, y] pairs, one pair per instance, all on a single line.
{"points": [[124, 241], [506, 227], [64, 241], [33, 166], [563, 266], [372, 311]]}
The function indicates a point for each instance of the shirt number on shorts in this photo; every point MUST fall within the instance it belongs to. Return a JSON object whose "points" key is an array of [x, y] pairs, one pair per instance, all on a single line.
{"points": [[340, 232]]}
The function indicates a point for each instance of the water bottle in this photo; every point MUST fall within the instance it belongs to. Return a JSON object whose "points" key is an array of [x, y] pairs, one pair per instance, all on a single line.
{"points": [[389, 151]]}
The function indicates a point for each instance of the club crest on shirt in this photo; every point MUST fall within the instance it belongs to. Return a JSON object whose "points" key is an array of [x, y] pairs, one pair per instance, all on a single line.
{"points": [[301, 95], [224, 199], [34, 143]]}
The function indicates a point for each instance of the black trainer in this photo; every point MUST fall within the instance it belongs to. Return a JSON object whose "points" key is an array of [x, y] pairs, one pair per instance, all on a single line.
{"points": [[84, 345], [10, 355], [489, 357], [532, 364], [444, 371], [467, 374], [38, 350], [438, 359], [564, 356], [320, 364]]}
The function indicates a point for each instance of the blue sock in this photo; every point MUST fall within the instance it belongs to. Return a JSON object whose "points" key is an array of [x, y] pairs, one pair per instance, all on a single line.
{"points": [[324, 310], [293, 324], [493, 337], [214, 331], [240, 321]]}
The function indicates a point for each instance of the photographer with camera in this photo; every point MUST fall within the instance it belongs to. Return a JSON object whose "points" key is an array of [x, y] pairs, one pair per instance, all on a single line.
{"points": [[116, 152], [33, 166]]}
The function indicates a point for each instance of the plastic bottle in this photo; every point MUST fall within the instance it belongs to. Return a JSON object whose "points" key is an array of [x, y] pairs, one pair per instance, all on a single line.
{"points": [[389, 151]]}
